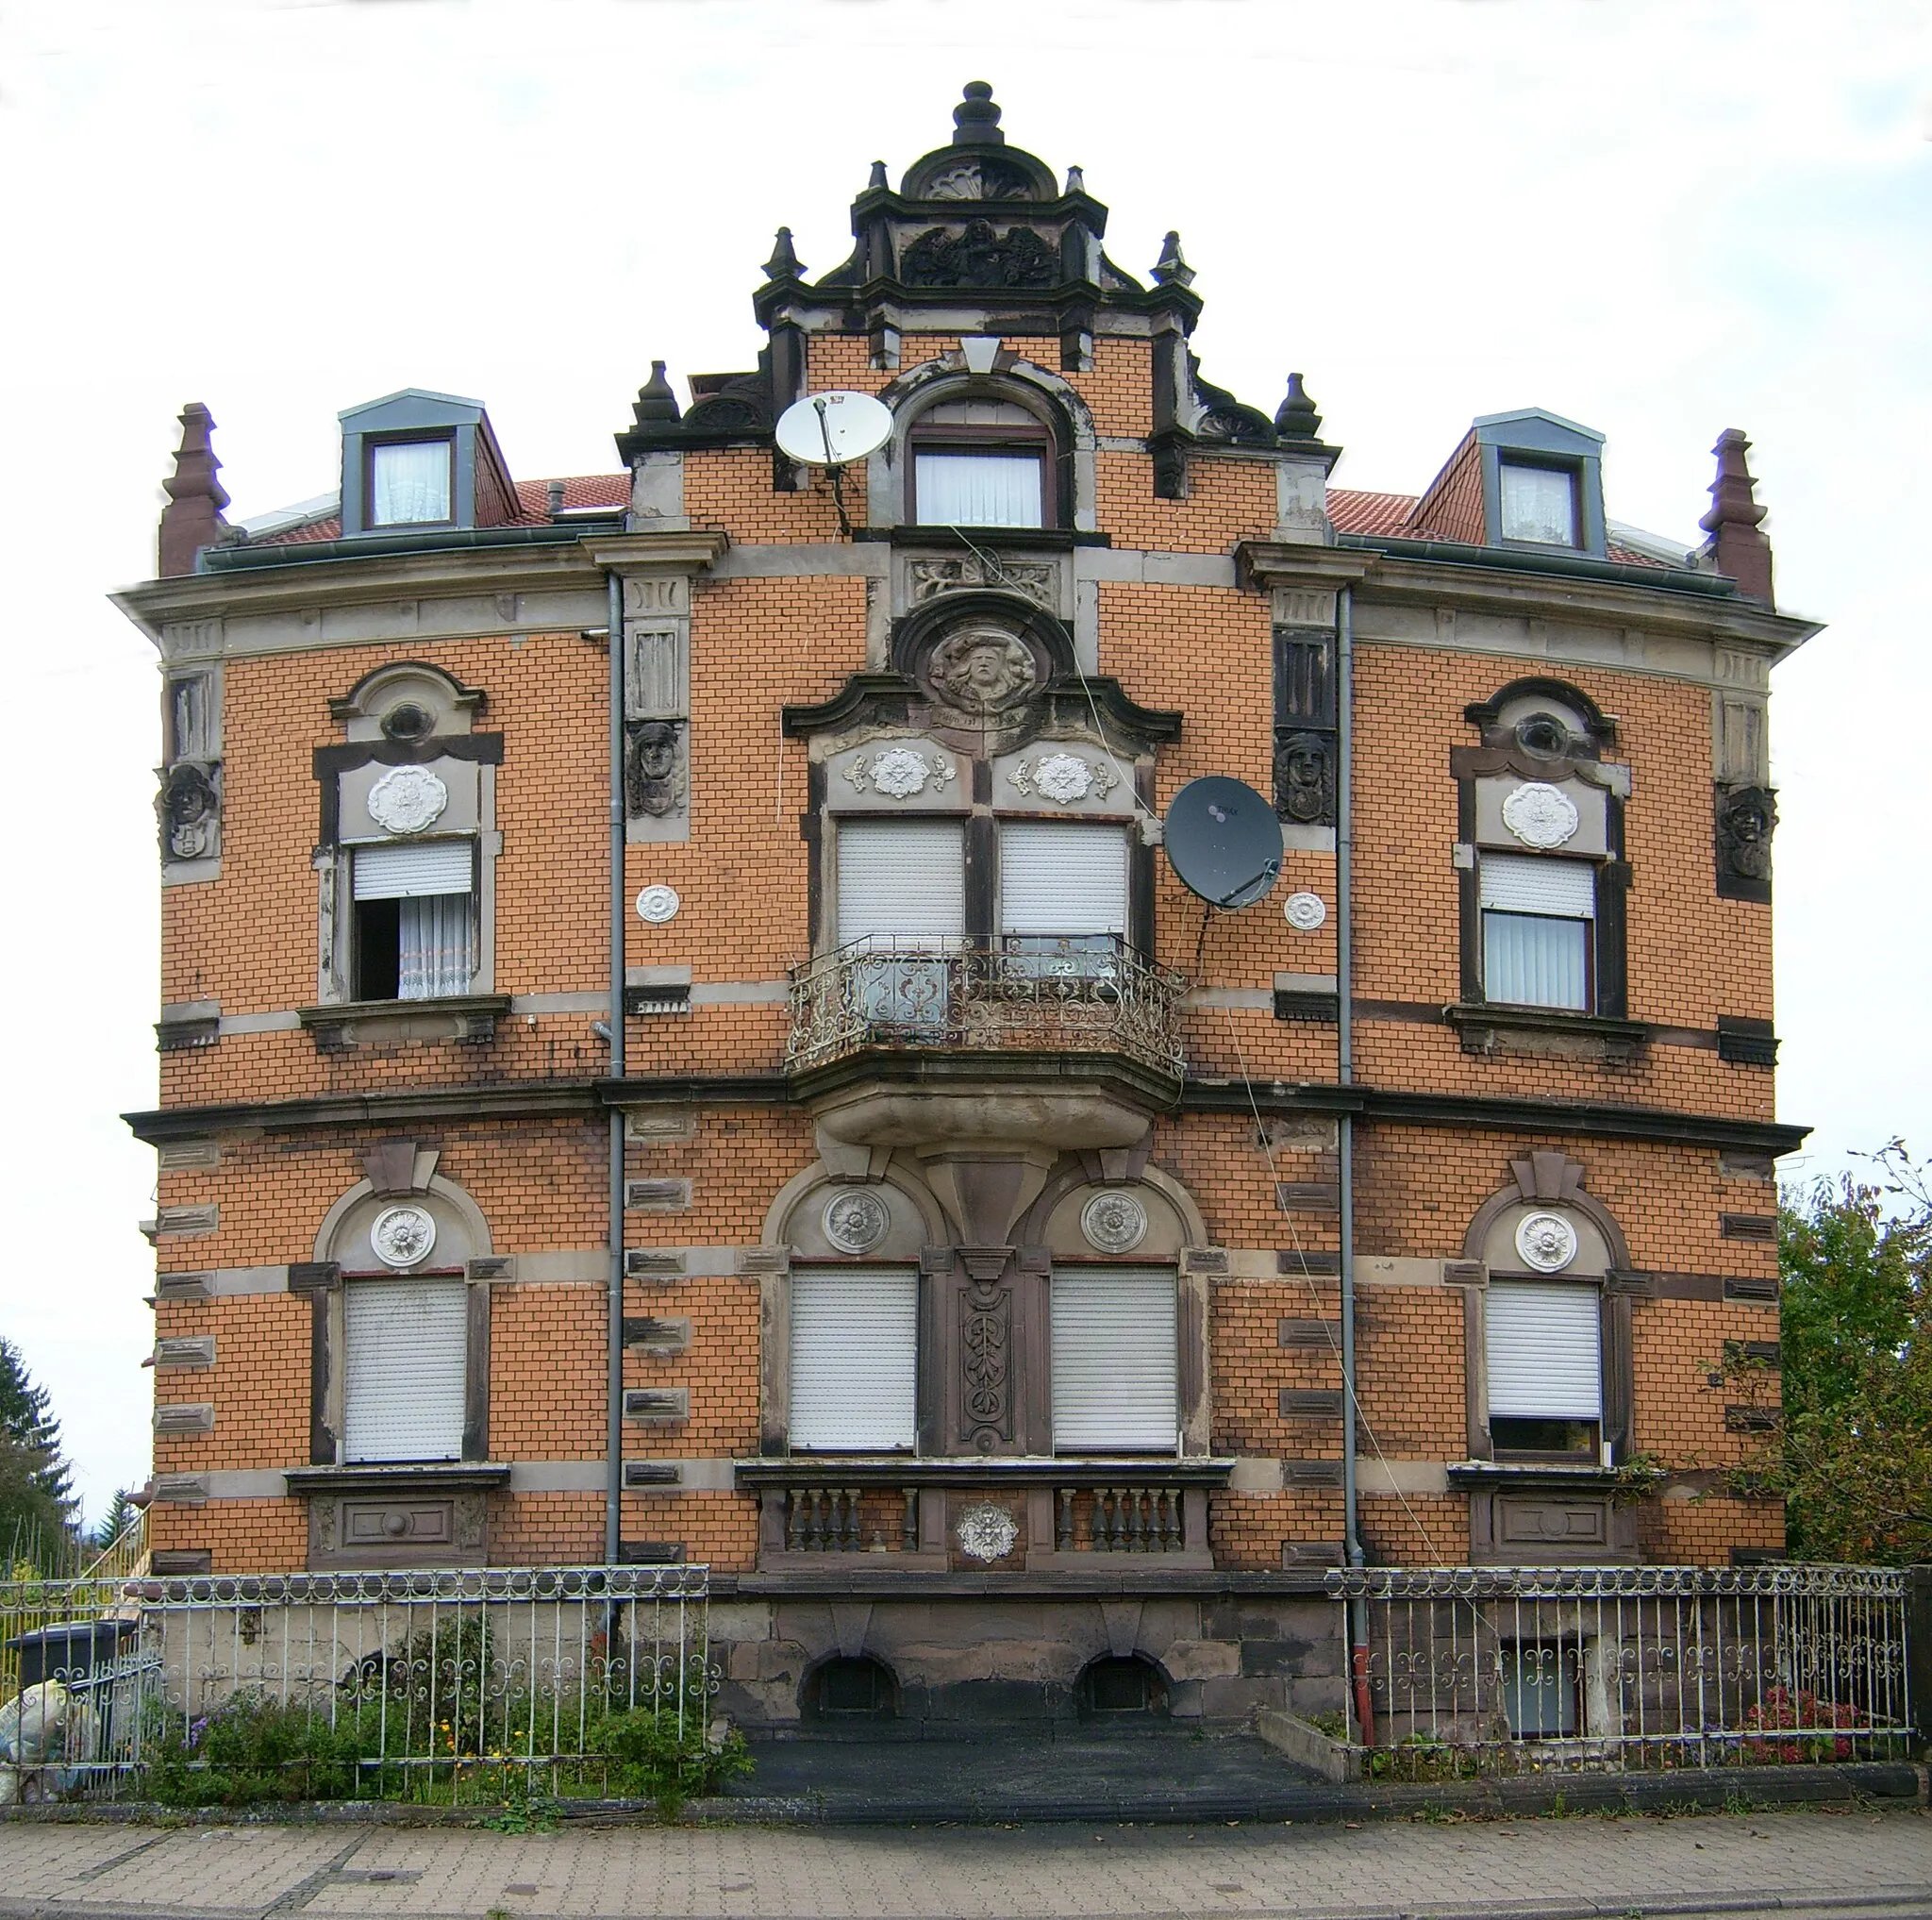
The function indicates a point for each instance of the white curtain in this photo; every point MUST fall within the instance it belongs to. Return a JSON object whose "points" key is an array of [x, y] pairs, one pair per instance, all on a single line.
{"points": [[979, 489], [1539, 504], [408, 483], [436, 954], [1531, 962]]}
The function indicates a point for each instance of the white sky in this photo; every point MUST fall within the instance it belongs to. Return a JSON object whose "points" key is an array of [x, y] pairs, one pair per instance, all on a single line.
{"points": [[1657, 219]]}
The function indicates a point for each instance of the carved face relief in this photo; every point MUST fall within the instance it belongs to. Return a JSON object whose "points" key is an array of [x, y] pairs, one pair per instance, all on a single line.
{"points": [[190, 809], [1540, 815], [1113, 1221], [1746, 818], [403, 1236], [982, 669], [652, 779], [986, 1532], [1546, 1242], [855, 1221], [406, 799], [1304, 778]]}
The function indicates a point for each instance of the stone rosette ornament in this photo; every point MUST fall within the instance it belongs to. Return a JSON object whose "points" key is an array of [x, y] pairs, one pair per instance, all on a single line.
{"points": [[407, 801], [1546, 1242], [986, 1532], [1113, 1223], [1305, 912], [656, 904], [403, 1236], [855, 1221], [900, 772], [1063, 779], [1540, 815]]}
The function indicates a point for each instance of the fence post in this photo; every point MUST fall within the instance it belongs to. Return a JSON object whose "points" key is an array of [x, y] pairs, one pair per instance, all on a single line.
{"points": [[1919, 1648]]}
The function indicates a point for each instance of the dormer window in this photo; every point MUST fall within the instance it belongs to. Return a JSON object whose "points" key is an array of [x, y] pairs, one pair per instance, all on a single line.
{"points": [[411, 483], [1539, 503], [980, 464]]}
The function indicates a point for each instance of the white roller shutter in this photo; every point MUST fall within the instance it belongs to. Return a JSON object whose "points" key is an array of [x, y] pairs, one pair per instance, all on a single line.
{"points": [[1546, 1352], [1116, 1368], [903, 879], [413, 869], [1062, 877], [1514, 883], [403, 1366], [855, 1357]]}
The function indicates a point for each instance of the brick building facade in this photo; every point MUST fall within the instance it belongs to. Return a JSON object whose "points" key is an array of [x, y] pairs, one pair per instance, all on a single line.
{"points": [[997, 1224]]}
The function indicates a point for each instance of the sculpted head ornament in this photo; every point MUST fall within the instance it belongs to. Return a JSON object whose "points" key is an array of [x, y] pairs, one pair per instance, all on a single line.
{"points": [[982, 669]]}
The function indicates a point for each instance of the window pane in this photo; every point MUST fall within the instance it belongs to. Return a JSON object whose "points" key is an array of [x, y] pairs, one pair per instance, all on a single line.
{"points": [[855, 1350], [1115, 1360], [979, 489], [902, 882], [408, 483], [434, 946], [1539, 503], [1532, 961], [403, 1366]]}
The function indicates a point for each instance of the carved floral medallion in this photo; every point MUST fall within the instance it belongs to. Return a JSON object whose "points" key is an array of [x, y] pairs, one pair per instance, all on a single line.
{"points": [[1303, 912], [1114, 1221], [855, 1221], [403, 1236], [1064, 778], [900, 772], [656, 904], [407, 799], [1547, 1241], [986, 1532], [1540, 815]]}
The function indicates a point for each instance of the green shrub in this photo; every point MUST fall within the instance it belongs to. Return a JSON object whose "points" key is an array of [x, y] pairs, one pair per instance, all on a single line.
{"points": [[256, 1749], [655, 1762]]}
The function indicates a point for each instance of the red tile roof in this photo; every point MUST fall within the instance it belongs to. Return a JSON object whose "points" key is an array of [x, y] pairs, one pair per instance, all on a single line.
{"points": [[1392, 515]]}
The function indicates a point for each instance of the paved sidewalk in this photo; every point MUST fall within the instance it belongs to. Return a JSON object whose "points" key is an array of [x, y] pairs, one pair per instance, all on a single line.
{"points": [[1875, 1865]]}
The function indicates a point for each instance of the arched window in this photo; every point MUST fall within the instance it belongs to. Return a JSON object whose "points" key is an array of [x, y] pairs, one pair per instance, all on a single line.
{"points": [[981, 460]]}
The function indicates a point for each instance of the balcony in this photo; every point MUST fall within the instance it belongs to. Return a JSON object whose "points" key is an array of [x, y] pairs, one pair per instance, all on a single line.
{"points": [[1074, 1038]]}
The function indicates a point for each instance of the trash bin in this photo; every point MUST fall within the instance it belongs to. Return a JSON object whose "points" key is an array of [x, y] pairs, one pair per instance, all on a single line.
{"points": [[68, 1651]]}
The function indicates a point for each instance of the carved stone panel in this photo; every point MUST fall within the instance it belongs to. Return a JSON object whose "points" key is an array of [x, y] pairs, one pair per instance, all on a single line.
{"points": [[1039, 580], [400, 1529], [986, 1365], [979, 257], [653, 769], [189, 805], [1746, 819], [1305, 777]]}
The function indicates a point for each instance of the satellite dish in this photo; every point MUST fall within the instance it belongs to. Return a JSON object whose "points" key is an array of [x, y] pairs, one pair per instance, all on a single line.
{"points": [[1223, 841], [830, 429]]}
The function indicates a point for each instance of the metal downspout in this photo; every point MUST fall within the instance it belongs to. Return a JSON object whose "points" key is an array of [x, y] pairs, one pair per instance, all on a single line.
{"points": [[1345, 1073], [613, 1439]]}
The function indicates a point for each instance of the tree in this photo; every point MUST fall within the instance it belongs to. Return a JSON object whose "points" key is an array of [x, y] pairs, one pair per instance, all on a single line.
{"points": [[1853, 1456], [115, 1521], [36, 1491]]}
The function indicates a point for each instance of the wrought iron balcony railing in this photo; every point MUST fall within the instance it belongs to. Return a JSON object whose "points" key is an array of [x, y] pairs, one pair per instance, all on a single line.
{"points": [[1017, 993]]}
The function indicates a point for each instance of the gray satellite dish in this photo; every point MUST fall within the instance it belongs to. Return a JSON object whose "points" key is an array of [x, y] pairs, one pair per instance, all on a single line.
{"points": [[830, 429], [1223, 841]]}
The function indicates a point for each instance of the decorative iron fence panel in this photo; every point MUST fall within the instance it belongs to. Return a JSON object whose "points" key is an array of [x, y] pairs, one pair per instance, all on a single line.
{"points": [[480, 1684], [1476, 1669], [1023, 992]]}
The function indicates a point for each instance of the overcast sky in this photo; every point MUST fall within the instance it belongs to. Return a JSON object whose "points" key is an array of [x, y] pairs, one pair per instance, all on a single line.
{"points": [[1660, 220]]}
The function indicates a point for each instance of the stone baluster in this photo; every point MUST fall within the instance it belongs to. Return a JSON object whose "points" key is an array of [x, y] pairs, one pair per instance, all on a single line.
{"points": [[815, 1533], [797, 1513], [1063, 1541], [1117, 1531], [850, 1543], [908, 1521]]}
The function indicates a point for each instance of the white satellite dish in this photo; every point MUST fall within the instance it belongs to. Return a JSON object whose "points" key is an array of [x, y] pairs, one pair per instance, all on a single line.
{"points": [[830, 429]]}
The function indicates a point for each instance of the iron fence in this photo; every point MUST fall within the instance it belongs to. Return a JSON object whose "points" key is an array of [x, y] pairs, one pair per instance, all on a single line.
{"points": [[446, 1685], [1026, 992], [1474, 1669]]}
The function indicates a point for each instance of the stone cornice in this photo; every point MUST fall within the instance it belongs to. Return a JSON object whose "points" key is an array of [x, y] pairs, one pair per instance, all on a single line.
{"points": [[379, 577]]}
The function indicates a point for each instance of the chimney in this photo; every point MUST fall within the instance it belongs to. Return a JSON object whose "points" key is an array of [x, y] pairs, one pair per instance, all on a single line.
{"points": [[1736, 545], [193, 517]]}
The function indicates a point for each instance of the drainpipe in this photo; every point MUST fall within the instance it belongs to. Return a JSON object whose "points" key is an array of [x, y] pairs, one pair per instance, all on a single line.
{"points": [[613, 1486], [1345, 1128]]}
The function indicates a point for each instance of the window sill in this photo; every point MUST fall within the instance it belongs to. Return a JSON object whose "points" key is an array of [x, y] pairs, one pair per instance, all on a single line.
{"points": [[1580, 1474], [1051, 539], [1547, 1032], [392, 1476], [346, 1024], [979, 1470]]}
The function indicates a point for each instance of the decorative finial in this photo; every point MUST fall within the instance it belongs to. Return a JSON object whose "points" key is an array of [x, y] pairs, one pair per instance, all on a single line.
{"points": [[977, 119], [1296, 418], [193, 517], [784, 263], [1076, 180], [879, 176], [1736, 540], [655, 401], [1170, 267]]}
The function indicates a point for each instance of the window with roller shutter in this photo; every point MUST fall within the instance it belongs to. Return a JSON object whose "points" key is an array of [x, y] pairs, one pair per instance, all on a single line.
{"points": [[1115, 1357], [404, 1362], [414, 918], [854, 1359], [1537, 926], [1543, 1345]]}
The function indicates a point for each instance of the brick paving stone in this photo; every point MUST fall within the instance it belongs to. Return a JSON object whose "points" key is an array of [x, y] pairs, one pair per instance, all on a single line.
{"points": [[1795, 1861]]}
